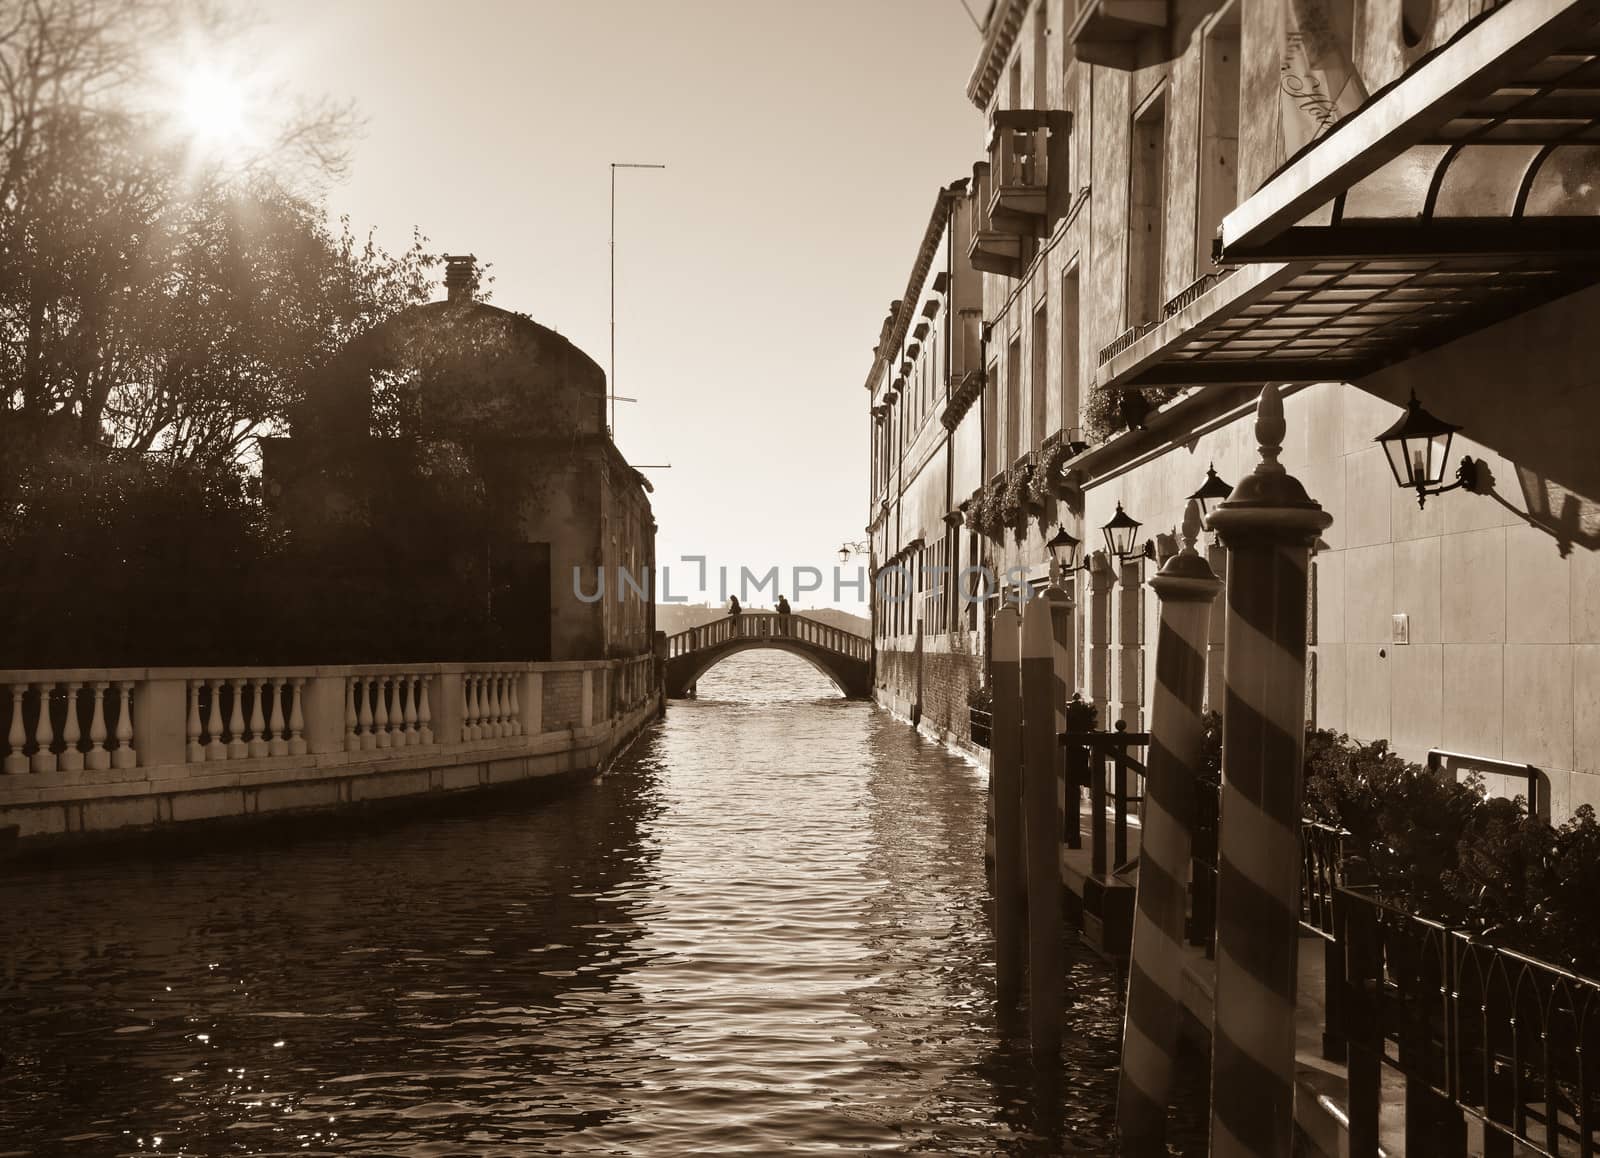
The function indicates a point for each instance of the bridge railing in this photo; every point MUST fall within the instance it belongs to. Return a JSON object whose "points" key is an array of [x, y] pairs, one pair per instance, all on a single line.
{"points": [[92, 719], [770, 625]]}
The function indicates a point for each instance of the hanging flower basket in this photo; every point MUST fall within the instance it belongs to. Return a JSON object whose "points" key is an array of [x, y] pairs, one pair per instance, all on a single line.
{"points": [[1015, 499]]}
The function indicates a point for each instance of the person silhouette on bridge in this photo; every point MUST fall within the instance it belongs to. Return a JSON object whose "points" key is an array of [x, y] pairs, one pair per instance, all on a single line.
{"points": [[783, 615], [734, 611]]}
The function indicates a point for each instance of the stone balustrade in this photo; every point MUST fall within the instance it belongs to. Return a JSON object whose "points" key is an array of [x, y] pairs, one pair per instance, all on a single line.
{"points": [[123, 718], [87, 751]]}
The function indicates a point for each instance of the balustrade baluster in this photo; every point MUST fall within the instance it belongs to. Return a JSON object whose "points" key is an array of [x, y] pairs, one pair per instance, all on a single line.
{"points": [[491, 706], [364, 715], [238, 744], [197, 749], [212, 730], [352, 722], [71, 755], [514, 705], [469, 708], [258, 721], [17, 738], [44, 733], [380, 711], [502, 707], [409, 706], [297, 719], [278, 743], [98, 757], [424, 714], [124, 755]]}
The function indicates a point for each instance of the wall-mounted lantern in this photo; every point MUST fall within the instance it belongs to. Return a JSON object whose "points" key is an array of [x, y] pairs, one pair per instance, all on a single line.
{"points": [[1120, 534], [1418, 446], [1063, 547], [848, 549], [1211, 492]]}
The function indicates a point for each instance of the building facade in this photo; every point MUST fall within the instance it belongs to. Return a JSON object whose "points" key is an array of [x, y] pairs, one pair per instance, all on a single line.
{"points": [[1182, 201], [462, 451]]}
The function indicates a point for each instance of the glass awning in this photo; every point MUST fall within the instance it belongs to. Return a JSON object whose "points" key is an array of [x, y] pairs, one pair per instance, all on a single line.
{"points": [[1523, 77], [1466, 192], [1340, 320]]}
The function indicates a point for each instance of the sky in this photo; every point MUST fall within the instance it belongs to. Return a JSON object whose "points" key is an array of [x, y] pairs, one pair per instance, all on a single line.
{"points": [[805, 143]]}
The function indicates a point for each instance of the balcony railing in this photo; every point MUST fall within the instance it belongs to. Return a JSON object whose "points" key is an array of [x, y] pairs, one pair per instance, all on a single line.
{"points": [[990, 250], [1020, 145]]}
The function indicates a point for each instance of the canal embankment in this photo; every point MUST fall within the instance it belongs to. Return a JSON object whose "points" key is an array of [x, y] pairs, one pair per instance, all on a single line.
{"points": [[95, 755]]}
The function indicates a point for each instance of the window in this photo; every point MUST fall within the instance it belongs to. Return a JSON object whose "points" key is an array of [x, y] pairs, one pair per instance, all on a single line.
{"points": [[1146, 195], [991, 418], [1070, 352], [1041, 364], [1041, 57], [1013, 403], [1219, 130]]}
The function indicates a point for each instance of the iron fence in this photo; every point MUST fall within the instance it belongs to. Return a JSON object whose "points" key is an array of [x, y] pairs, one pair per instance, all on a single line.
{"points": [[1476, 1030]]}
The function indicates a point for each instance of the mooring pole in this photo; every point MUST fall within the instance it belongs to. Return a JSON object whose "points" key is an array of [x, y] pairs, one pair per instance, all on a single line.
{"points": [[1185, 589], [1059, 600], [1005, 795], [1268, 525], [1041, 758]]}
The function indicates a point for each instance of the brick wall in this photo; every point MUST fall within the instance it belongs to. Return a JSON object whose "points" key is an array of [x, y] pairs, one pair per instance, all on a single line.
{"points": [[563, 700], [948, 674]]}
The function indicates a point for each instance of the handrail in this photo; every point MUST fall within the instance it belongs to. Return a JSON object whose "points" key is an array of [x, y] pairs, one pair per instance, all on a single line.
{"points": [[791, 628]]}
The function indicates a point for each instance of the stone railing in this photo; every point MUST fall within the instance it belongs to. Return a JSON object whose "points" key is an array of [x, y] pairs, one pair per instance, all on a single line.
{"points": [[72, 720]]}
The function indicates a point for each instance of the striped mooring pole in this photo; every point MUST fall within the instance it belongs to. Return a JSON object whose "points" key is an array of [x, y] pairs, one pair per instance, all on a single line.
{"points": [[1268, 525], [1059, 601], [1041, 762], [1005, 802], [1185, 587]]}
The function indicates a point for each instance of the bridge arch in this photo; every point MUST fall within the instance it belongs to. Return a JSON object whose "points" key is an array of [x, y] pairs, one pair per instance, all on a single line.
{"points": [[842, 656]]}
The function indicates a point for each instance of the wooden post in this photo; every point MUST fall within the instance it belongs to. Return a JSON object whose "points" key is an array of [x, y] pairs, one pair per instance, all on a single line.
{"points": [[1041, 758], [1358, 929], [1268, 525], [1185, 588], [1005, 790]]}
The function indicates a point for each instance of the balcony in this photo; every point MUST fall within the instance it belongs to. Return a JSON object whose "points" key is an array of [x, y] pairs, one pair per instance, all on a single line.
{"points": [[1019, 160], [1109, 32], [990, 249]]}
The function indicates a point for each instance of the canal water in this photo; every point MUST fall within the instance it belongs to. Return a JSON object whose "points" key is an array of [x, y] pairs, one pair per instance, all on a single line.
{"points": [[762, 932]]}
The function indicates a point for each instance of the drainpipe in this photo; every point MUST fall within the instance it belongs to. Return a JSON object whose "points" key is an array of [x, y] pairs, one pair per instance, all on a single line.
{"points": [[983, 476]]}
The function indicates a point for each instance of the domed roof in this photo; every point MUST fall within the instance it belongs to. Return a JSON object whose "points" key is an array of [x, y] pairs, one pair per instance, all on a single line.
{"points": [[460, 369]]}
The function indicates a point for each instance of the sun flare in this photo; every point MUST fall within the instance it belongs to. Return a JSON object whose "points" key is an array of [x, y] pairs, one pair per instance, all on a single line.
{"points": [[213, 108]]}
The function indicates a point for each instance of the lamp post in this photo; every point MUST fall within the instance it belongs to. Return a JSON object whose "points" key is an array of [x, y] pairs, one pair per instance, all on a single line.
{"points": [[611, 371], [1418, 448], [1120, 533], [1211, 492]]}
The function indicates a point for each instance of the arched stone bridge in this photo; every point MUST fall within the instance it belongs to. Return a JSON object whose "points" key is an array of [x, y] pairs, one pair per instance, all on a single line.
{"points": [[843, 656]]}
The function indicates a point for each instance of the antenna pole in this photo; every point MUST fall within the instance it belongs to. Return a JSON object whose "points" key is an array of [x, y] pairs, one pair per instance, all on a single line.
{"points": [[611, 372]]}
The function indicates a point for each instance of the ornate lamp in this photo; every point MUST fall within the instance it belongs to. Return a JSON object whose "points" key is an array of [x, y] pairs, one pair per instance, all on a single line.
{"points": [[848, 549], [1120, 533], [1211, 492], [1418, 447], [1063, 547]]}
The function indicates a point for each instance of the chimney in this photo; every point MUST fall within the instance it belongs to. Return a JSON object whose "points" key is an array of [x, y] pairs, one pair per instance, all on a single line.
{"points": [[460, 277]]}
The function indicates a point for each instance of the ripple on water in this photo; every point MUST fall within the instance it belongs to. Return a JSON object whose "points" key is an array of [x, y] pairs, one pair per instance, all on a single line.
{"points": [[762, 932]]}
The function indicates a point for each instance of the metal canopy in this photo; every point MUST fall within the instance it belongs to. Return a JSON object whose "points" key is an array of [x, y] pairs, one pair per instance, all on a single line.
{"points": [[1524, 73], [1340, 320], [1466, 192]]}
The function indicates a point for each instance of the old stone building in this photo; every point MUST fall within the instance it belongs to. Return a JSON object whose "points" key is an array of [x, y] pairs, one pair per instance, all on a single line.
{"points": [[467, 445], [1181, 201], [925, 386]]}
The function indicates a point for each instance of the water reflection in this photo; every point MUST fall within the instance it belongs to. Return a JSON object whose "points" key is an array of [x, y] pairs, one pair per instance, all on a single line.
{"points": [[763, 931]]}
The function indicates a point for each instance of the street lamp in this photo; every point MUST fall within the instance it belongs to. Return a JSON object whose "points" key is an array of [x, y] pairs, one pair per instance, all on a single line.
{"points": [[859, 547], [1120, 533], [1211, 492], [1063, 547], [1418, 446]]}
